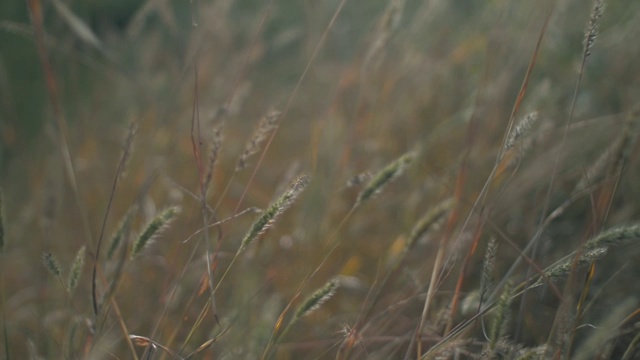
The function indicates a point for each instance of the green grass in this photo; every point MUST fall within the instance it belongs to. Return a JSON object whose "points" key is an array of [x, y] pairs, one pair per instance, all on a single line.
{"points": [[319, 180]]}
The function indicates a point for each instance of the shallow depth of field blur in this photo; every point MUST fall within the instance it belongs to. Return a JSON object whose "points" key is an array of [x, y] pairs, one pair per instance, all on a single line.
{"points": [[357, 84]]}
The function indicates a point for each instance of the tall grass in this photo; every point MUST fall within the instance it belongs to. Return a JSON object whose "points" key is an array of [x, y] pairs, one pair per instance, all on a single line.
{"points": [[494, 216]]}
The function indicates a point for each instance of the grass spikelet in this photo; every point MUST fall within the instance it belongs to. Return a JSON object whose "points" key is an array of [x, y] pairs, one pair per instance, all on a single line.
{"points": [[1, 225], [274, 210], [76, 269], [120, 233], [428, 220], [499, 321], [267, 124], [592, 28], [153, 228], [51, 263], [318, 298], [521, 129], [385, 176], [486, 281]]}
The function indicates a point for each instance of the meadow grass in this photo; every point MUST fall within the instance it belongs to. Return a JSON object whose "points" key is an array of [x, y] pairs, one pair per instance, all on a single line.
{"points": [[441, 180]]}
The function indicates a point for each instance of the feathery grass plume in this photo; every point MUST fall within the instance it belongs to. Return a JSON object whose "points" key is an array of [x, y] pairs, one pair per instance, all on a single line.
{"points": [[51, 263], [267, 124], [318, 298], [385, 176], [1, 225], [152, 229], [123, 229], [486, 281], [274, 210], [592, 28], [502, 313], [427, 221], [520, 130], [76, 269], [216, 145]]}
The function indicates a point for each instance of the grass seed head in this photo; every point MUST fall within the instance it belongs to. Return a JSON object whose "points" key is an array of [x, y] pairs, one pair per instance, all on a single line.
{"points": [[76, 270], [121, 232], [51, 263], [592, 28], [386, 175], [318, 298], [153, 228], [274, 210], [267, 124]]}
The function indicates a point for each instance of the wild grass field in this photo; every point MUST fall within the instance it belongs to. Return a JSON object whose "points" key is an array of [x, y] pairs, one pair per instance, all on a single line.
{"points": [[338, 179]]}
